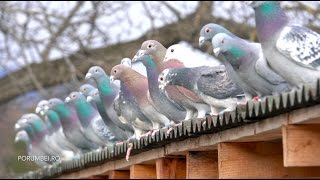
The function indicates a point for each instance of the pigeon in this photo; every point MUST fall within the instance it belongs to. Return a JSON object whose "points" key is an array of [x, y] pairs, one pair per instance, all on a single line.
{"points": [[93, 97], [210, 30], [51, 144], [57, 136], [108, 93], [293, 51], [184, 97], [245, 59], [211, 84], [138, 85], [26, 134], [127, 107], [71, 125], [93, 126]]}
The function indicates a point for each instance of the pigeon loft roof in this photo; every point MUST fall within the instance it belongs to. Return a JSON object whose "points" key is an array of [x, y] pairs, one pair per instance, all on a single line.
{"points": [[261, 139]]}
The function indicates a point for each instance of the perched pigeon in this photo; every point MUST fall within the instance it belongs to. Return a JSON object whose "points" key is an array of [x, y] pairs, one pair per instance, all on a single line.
{"points": [[57, 136], [108, 93], [93, 126], [93, 97], [211, 84], [210, 30], [292, 51], [245, 59], [127, 107], [138, 85], [26, 134], [72, 127], [182, 96]]}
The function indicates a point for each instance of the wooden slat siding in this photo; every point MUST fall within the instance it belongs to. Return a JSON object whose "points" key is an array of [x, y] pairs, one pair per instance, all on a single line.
{"points": [[143, 171], [171, 168], [202, 165], [267, 129], [301, 145], [258, 160], [119, 174], [99, 177]]}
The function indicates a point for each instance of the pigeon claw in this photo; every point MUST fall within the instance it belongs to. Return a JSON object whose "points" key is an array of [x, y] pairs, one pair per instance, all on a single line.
{"points": [[256, 98], [129, 151]]}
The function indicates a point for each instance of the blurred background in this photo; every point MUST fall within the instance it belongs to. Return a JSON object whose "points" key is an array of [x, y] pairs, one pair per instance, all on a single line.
{"points": [[46, 48]]}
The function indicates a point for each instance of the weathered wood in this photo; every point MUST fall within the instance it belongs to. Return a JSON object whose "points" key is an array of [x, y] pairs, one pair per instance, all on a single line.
{"points": [[143, 171], [171, 168], [308, 115], [202, 165], [99, 177], [257, 160], [301, 143], [119, 174]]}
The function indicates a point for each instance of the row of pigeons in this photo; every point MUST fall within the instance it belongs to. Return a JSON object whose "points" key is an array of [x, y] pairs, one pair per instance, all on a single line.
{"points": [[287, 57]]}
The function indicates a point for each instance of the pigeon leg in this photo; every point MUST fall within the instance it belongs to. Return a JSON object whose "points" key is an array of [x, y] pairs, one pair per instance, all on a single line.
{"points": [[256, 98], [171, 126], [129, 151]]}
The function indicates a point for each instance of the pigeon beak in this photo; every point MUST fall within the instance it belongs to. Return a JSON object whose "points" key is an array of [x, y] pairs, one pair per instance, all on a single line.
{"points": [[42, 113], [38, 109], [201, 41], [88, 76], [89, 98], [216, 51], [16, 139], [46, 108], [67, 99], [111, 78], [16, 127], [139, 54]]}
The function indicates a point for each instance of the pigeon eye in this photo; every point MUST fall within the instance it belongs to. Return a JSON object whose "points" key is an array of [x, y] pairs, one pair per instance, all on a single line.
{"points": [[85, 89], [172, 50], [222, 41], [74, 96], [149, 46], [115, 71], [161, 78], [96, 70], [207, 30]]}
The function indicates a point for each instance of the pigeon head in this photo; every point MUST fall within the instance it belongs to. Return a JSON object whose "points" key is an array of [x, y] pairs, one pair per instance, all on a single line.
{"points": [[36, 121], [255, 4], [23, 136], [96, 73], [153, 48], [221, 43], [93, 95], [118, 71], [41, 107], [126, 61], [174, 51], [208, 31], [86, 88]]}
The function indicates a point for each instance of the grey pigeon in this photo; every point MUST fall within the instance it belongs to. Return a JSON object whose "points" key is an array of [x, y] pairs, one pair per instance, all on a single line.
{"points": [[71, 125], [57, 136], [108, 92], [93, 97], [245, 59], [211, 84], [210, 30], [93, 126], [292, 51]]}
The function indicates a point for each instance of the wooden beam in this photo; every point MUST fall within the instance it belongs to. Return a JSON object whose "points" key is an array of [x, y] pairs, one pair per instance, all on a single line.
{"points": [[171, 168], [301, 143], [258, 160], [99, 177], [202, 165], [143, 171], [119, 174]]}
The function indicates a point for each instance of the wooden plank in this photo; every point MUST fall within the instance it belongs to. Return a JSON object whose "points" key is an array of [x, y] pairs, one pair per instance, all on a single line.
{"points": [[258, 160], [309, 115], [171, 168], [143, 171], [99, 177], [119, 174], [301, 143], [202, 165]]}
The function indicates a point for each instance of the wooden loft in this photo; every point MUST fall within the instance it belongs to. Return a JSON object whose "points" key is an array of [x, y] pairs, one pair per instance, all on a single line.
{"points": [[275, 138]]}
